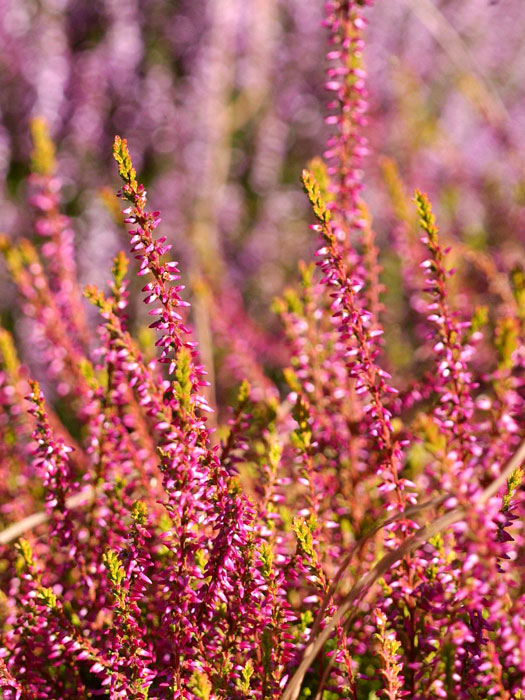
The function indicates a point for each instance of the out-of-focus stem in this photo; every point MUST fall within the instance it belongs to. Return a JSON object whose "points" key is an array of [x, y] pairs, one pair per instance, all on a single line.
{"points": [[201, 317], [216, 80], [221, 116]]}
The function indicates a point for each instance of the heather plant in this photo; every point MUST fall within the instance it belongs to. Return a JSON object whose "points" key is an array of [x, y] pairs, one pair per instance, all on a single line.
{"points": [[349, 527]]}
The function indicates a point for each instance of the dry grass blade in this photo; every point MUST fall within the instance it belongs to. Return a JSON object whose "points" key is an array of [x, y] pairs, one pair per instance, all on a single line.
{"points": [[16, 530]]}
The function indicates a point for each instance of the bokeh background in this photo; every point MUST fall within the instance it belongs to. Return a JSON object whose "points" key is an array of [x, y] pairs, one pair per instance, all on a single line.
{"points": [[222, 103]]}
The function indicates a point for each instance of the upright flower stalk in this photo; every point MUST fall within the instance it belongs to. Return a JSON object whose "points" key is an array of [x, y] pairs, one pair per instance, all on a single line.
{"points": [[455, 385], [354, 326], [51, 460], [160, 291], [391, 669], [347, 82], [55, 230]]}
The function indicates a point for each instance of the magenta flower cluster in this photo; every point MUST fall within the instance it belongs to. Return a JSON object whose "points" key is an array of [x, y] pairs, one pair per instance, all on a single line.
{"points": [[350, 526]]}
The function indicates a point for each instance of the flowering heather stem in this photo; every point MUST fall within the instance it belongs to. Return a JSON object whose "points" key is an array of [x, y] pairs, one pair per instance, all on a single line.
{"points": [[355, 329], [452, 351], [51, 459], [61, 353], [55, 229], [347, 146], [391, 669], [160, 291]]}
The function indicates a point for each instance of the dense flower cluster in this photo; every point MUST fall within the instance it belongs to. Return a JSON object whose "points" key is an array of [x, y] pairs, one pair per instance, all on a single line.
{"points": [[348, 527]]}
